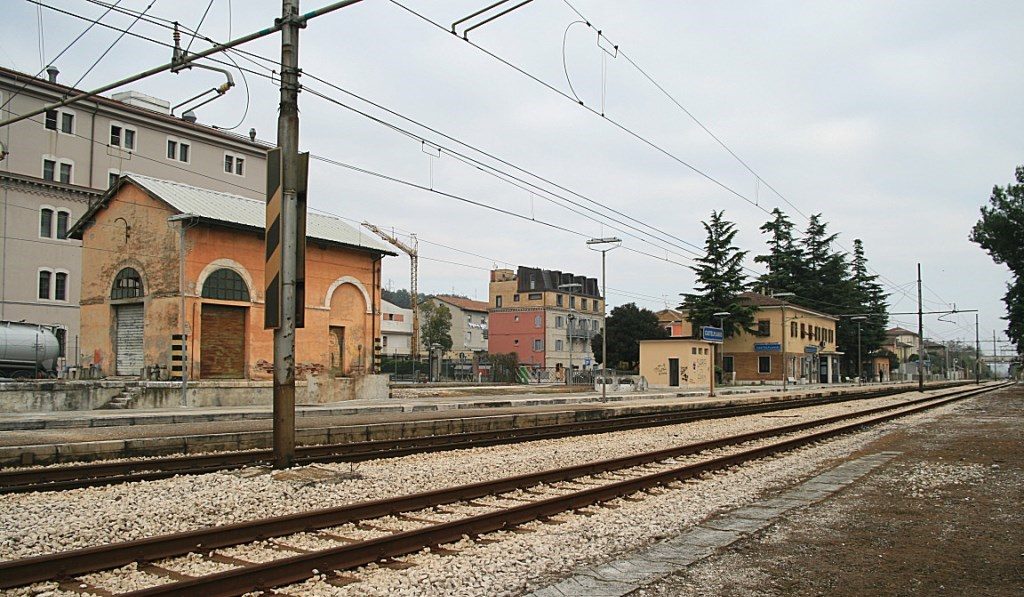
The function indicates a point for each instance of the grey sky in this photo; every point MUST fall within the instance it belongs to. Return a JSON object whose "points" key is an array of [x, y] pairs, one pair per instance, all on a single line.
{"points": [[893, 119]]}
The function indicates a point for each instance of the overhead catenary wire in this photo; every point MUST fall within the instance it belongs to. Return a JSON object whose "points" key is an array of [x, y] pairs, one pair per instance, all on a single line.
{"points": [[242, 51], [614, 122], [111, 46], [92, 23]]}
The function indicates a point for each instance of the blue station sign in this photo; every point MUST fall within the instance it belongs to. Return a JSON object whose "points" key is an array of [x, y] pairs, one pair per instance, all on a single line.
{"points": [[712, 334], [810, 349], [767, 347]]}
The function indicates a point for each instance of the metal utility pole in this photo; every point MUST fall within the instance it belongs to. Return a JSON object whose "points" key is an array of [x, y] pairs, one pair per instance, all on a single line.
{"points": [[785, 368], [288, 143], [995, 354], [860, 360], [920, 332], [568, 325], [977, 351], [414, 257], [597, 242]]}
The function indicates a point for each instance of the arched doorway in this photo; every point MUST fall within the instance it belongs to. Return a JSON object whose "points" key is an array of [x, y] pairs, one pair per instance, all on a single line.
{"points": [[222, 326], [129, 318], [347, 338]]}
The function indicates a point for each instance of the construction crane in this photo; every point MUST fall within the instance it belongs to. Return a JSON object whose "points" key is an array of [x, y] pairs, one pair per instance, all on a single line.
{"points": [[413, 253]]}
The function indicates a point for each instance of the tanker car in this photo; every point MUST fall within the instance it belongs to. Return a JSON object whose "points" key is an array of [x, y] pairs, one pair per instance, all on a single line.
{"points": [[28, 350]]}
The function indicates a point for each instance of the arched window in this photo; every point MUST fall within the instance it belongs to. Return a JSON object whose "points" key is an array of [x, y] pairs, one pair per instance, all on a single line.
{"points": [[227, 285], [127, 284]]}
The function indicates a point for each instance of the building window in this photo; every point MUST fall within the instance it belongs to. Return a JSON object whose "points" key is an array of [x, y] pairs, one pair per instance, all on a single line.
{"points": [[497, 301], [225, 284], [558, 300], [583, 304], [234, 164], [49, 169], [572, 302], [558, 345], [764, 364], [46, 223], [45, 277], [515, 298], [693, 350], [727, 364], [538, 345], [384, 342], [112, 179], [668, 330], [60, 286], [764, 327], [792, 329], [533, 281], [127, 284], [122, 136], [62, 120], [65, 173], [537, 321], [63, 217], [178, 150], [559, 321], [535, 296], [803, 330]]}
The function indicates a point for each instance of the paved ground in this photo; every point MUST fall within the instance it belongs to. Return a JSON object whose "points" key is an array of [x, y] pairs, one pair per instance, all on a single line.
{"points": [[936, 509]]}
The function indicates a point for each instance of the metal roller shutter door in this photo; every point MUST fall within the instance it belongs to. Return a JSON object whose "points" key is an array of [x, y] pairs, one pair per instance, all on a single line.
{"points": [[222, 345], [129, 339]]}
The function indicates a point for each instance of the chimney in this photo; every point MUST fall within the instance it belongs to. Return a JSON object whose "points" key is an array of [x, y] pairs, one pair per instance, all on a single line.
{"points": [[252, 135], [51, 73], [189, 116]]}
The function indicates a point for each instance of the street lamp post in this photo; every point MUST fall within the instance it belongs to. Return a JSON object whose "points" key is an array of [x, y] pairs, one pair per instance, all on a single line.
{"points": [[568, 326], [785, 377], [860, 360], [608, 244]]}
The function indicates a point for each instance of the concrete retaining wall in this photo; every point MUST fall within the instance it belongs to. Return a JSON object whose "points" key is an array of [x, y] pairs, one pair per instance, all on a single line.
{"points": [[70, 395]]}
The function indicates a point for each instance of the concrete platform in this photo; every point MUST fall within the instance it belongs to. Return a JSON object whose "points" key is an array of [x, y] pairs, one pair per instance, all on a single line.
{"points": [[45, 438]]}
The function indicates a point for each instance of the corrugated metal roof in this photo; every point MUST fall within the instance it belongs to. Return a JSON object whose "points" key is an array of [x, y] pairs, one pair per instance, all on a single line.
{"points": [[225, 207]]}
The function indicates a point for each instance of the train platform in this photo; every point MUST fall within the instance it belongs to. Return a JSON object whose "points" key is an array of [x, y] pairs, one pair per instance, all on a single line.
{"points": [[53, 437]]}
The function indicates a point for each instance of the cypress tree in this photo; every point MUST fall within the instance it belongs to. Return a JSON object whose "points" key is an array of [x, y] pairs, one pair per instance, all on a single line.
{"points": [[784, 260], [720, 280]]}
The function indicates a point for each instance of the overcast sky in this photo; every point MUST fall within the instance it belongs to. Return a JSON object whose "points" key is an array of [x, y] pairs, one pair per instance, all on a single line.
{"points": [[894, 120]]}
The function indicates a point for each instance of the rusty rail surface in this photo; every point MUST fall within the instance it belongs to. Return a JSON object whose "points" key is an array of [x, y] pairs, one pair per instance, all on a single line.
{"points": [[58, 478], [66, 564]]}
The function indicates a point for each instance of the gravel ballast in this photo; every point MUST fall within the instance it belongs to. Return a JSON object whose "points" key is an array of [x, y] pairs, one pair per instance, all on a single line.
{"points": [[41, 523]]}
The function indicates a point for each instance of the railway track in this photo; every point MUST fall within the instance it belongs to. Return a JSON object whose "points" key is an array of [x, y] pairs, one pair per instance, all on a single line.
{"points": [[510, 501], [58, 478]]}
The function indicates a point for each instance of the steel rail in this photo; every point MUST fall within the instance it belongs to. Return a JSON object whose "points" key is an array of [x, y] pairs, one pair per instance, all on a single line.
{"points": [[58, 478], [301, 567], [65, 564]]}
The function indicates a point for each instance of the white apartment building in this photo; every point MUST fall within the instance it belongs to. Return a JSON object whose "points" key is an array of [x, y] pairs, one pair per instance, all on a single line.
{"points": [[395, 329], [53, 166]]}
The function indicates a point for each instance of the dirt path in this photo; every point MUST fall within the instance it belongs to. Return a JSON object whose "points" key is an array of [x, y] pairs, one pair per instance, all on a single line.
{"points": [[944, 518]]}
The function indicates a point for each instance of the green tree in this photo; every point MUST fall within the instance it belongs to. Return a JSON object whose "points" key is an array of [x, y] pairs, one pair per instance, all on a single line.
{"points": [[720, 280], [869, 299], [626, 326], [435, 325], [784, 260], [399, 298], [1000, 231]]}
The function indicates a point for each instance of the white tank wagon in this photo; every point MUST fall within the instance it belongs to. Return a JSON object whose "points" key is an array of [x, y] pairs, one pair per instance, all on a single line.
{"points": [[27, 350]]}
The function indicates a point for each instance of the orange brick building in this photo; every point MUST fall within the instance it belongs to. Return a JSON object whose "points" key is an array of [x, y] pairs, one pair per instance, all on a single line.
{"points": [[131, 296]]}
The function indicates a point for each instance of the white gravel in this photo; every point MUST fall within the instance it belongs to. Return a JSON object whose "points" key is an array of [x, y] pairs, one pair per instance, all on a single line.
{"points": [[31, 524]]}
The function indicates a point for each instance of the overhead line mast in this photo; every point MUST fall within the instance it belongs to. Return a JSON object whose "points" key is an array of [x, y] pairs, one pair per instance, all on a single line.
{"points": [[413, 251]]}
